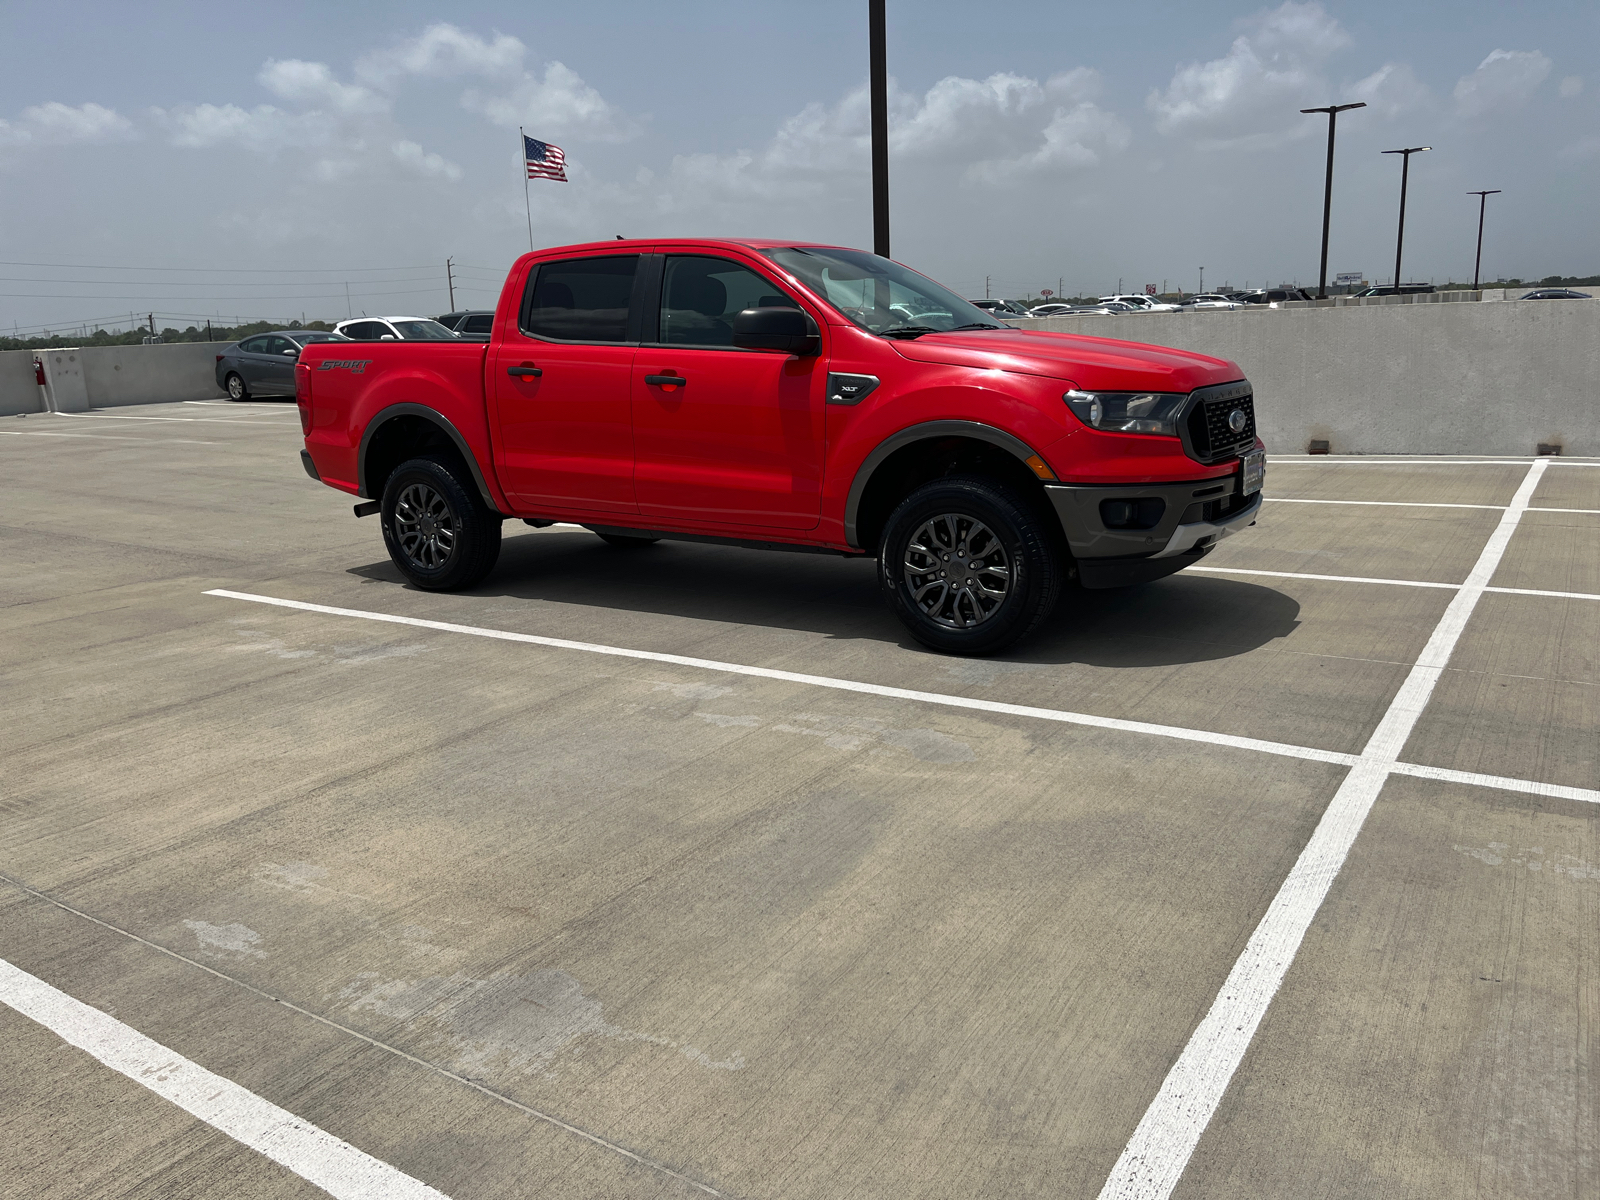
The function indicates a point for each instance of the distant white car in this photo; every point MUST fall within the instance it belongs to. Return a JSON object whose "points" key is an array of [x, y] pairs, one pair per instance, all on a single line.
{"points": [[1050, 310], [1212, 300], [1002, 308], [395, 329], [1141, 302]]}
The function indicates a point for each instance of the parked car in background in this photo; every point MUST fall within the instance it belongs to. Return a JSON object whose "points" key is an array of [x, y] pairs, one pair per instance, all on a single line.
{"points": [[1212, 300], [1557, 294], [1001, 308], [1050, 310], [1139, 302], [395, 329], [263, 365], [472, 324], [1274, 296], [1405, 289]]}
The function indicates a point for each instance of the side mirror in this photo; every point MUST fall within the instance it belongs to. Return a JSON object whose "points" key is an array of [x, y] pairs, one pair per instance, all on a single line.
{"points": [[388, 337], [292, 353], [785, 329]]}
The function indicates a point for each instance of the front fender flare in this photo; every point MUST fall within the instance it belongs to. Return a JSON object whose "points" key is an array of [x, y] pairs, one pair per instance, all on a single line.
{"points": [[438, 419], [917, 433]]}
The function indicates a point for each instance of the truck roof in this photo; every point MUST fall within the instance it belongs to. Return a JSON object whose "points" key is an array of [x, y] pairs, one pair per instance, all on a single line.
{"points": [[646, 243]]}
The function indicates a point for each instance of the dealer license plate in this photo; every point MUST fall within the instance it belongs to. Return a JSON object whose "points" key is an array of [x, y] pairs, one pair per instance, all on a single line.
{"points": [[1254, 469]]}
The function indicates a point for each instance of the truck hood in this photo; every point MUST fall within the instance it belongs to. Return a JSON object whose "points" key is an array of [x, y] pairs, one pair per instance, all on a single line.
{"points": [[1090, 362]]}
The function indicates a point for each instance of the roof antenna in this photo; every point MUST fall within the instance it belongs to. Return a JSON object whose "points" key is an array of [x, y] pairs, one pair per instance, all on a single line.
{"points": [[620, 238]]}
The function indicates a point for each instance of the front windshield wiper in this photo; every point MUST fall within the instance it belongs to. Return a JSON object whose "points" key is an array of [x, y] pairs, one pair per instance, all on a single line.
{"points": [[915, 331]]}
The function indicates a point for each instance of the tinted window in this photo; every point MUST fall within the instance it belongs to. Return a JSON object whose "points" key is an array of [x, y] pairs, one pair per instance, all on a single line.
{"points": [[306, 339], [581, 299], [424, 331], [700, 296], [478, 324], [255, 345], [277, 344]]}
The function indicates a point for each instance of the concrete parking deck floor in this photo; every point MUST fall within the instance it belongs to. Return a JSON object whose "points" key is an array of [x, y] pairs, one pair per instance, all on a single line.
{"points": [[789, 907]]}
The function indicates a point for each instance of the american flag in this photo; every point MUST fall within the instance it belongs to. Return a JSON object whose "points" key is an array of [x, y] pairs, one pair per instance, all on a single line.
{"points": [[544, 160]]}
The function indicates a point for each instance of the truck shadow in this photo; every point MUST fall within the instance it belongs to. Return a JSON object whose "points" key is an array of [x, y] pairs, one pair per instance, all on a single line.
{"points": [[1185, 618]]}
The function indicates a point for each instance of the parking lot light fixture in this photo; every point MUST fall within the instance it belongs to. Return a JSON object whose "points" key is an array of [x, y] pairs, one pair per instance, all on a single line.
{"points": [[879, 74], [1400, 235], [1333, 111], [1477, 262]]}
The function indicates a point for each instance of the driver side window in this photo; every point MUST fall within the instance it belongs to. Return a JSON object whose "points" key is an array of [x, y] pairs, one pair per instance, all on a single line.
{"points": [[700, 297]]}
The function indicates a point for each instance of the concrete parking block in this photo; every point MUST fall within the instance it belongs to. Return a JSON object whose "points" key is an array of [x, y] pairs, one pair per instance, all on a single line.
{"points": [[1435, 1035]]}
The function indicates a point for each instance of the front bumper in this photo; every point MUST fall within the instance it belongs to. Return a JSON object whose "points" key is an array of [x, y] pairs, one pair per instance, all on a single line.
{"points": [[1193, 517]]}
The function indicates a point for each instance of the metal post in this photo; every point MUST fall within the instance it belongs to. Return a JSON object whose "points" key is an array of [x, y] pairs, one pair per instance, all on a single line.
{"points": [[1202, 280], [1400, 235], [1333, 111], [880, 127], [1483, 199], [450, 283]]}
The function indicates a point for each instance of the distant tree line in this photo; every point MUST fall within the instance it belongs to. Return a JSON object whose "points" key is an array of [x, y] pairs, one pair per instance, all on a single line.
{"points": [[135, 337]]}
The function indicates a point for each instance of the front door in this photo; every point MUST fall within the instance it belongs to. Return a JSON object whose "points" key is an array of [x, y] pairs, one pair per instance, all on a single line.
{"points": [[277, 371], [560, 386], [739, 441]]}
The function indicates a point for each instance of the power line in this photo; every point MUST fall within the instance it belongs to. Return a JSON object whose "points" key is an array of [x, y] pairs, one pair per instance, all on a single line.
{"points": [[221, 270]]}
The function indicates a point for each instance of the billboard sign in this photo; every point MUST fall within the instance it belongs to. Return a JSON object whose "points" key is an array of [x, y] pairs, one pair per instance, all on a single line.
{"points": [[1348, 277]]}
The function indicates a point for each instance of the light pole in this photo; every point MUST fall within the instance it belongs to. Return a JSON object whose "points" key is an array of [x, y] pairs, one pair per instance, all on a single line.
{"points": [[1483, 199], [1202, 281], [1400, 236], [1333, 111], [880, 127]]}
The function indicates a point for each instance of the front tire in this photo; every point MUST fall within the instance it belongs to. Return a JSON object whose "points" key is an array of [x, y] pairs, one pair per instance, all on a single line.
{"points": [[437, 530], [969, 566], [234, 385]]}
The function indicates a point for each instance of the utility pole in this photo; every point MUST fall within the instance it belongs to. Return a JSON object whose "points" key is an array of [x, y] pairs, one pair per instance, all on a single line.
{"points": [[450, 283], [878, 57], [985, 287], [1333, 111], [1483, 199], [1400, 235], [152, 324], [1202, 280], [348, 311], [1061, 286]]}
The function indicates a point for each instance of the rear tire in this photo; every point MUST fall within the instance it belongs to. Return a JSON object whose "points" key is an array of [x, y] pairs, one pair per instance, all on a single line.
{"points": [[437, 530], [234, 385], [969, 566], [626, 541]]}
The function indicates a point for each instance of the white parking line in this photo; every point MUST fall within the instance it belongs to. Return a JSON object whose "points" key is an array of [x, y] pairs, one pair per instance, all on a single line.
{"points": [[1180, 732], [106, 437], [333, 1165], [242, 419], [1382, 503], [1506, 591], [1158, 1153]]}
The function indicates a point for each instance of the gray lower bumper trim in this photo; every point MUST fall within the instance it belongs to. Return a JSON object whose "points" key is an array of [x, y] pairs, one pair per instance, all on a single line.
{"points": [[311, 467], [1186, 537]]}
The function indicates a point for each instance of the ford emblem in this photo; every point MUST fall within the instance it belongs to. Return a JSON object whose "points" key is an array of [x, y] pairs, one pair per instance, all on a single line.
{"points": [[1237, 420]]}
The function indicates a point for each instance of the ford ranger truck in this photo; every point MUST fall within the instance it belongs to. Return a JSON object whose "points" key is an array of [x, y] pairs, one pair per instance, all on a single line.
{"points": [[790, 397]]}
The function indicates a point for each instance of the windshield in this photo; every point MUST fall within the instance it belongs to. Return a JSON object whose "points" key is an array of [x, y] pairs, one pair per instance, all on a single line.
{"points": [[424, 331], [879, 295]]}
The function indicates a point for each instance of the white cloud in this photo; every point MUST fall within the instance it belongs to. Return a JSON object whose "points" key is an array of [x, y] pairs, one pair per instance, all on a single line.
{"points": [[1390, 90], [1572, 86], [201, 125], [1504, 78], [312, 85], [558, 105], [1247, 97], [413, 157], [443, 50], [57, 124]]}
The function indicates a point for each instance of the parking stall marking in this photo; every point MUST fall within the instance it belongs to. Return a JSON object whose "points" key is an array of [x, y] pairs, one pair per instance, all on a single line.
{"points": [[1158, 1153], [315, 1155], [106, 437], [1421, 504], [1421, 583], [241, 419]]}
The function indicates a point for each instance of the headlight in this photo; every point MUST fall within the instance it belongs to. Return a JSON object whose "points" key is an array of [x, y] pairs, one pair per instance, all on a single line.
{"points": [[1128, 412]]}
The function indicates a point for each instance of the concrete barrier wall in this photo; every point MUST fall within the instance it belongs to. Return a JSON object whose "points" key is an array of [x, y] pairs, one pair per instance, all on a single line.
{"points": [[117, 375], [1399, 379], [19, 392]]}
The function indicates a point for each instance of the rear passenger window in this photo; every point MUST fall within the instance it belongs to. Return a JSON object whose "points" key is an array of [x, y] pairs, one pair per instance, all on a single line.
{"points": [[478, 324], [701, 296], [255, 345], [581, 299]]}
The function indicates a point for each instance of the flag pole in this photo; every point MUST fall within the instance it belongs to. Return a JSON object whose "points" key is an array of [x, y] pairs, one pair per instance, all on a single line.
{"points": [[522, 153]]}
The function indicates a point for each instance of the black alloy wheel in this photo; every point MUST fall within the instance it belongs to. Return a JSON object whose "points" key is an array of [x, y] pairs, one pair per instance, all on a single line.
{"points": [[437, 530], [969, 565], [235, 386]]}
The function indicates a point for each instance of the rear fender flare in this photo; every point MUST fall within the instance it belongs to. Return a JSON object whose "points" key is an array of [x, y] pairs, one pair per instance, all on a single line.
{"points": [[384, 416], [917, 433]]}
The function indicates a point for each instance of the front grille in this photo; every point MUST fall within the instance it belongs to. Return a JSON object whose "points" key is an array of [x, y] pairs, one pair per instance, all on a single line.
{"points": [[1209, 432]]}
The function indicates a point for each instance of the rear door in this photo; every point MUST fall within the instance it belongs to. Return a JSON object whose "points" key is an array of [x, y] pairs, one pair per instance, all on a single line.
{"points": [[277, 367], [559, 384], [739, 441]]}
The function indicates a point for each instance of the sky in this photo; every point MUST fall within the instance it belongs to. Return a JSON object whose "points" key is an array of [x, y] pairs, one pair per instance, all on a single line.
{"points": [[246, 163]]}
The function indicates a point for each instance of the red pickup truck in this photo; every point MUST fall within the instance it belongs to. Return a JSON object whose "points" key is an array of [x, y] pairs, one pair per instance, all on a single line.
{"points": [[791, 397]]}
